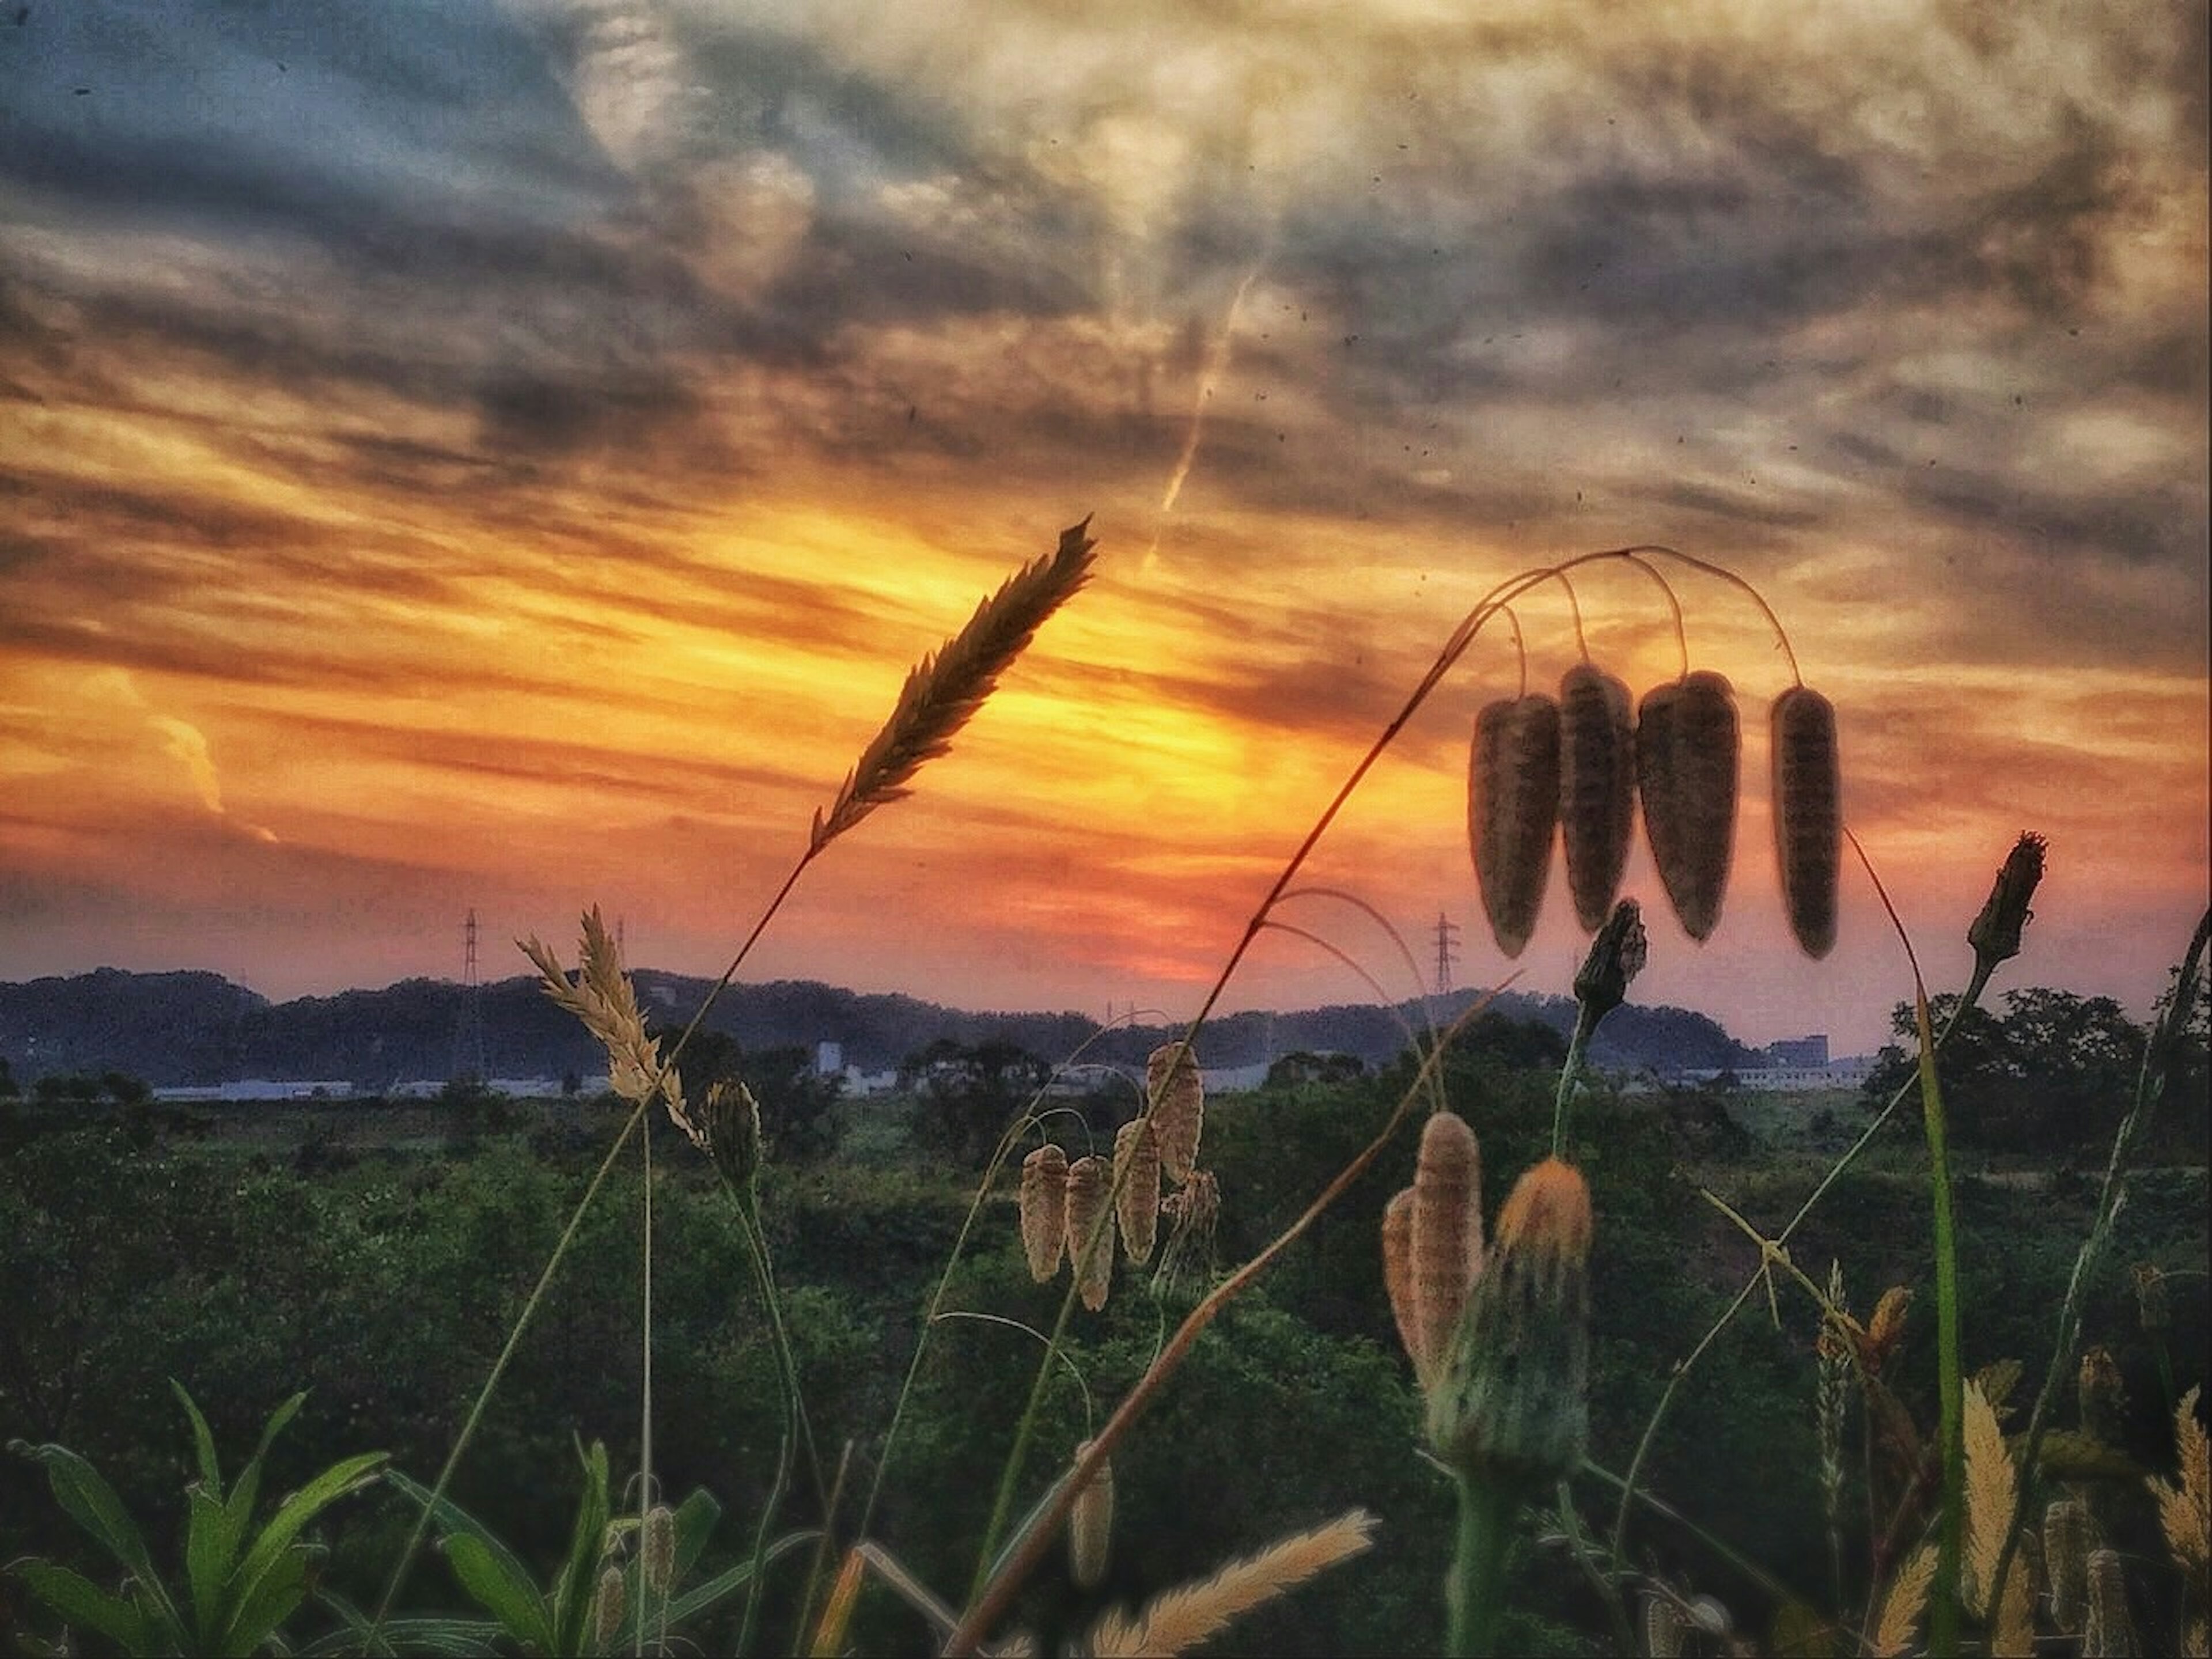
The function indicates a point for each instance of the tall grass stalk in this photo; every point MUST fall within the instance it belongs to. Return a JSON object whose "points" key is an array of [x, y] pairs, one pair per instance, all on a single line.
{"points": [[2150, 1086]]}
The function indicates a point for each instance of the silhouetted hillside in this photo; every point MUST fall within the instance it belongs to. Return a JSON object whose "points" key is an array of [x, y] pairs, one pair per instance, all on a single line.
{"points": [[187, 1028]]}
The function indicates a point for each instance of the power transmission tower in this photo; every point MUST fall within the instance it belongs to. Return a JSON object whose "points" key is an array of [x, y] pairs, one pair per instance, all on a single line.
{"points": [[1446, 953], [468, 1064]]}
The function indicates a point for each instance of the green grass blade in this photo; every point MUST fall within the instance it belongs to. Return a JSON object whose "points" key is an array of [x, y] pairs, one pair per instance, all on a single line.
{"points": [[92, 1503], [270, 1601], [579, 1577], [445, 1638], [1951, 1421], [500, 1588], [203, 1442], [209, 1552], [83, 1603], [454, 1521], [695, 1518], [346, 1475], [239, 1507], [724, 1585]]}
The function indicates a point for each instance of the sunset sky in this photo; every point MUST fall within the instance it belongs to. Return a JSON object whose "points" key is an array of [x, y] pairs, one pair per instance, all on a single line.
{"points": [[506, 454]]}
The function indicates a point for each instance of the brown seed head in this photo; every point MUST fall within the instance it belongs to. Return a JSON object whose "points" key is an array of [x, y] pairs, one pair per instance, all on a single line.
{"points": [[1398, 1276], [1597, 787], [1886, 1326], [608, 1606], [1512, 1401], [1513, 812], [733, 1123], [2103, 1396], [1687, 747], [1088, 1179], [2151, 1305], [1090, 1525], [1616, 956], [656, 1551], [2066, 1560], [1446, 1238], [1178, 1107], [1044, 1210], [1137, 1176], [1807, 809], [1996, 932], [2107, 1631]]}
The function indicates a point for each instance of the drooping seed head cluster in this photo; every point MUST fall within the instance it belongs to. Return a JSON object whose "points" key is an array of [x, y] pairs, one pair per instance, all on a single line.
{"points": [[1580, 765], [1061, 1203], [1498, 1335]]}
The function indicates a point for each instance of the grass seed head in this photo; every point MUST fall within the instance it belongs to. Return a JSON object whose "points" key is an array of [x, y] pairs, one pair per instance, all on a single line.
{"points": [[2102, 1394], [1597, 787], [1090, 1525], [2152, 1307], [1513, 812], [2184, 1506], [1137, 1176], [1616, 956], [1512, 1403], [2107, 1631], [1044, 1210], [1088, 1179], [2066, 1561], [1688, 744], [608, 1606], [1807, 809], [1996, 932], [732, 1120], [1445, 1241], [656, 1551], [1178, 1107], [1397, 1277]]}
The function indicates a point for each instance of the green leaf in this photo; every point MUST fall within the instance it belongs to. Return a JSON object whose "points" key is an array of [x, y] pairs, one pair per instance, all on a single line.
{"points": [[239, 1509], [267, 1605], [203, 1442], [2070, 1454], [587, 1543], [92, 1503], [452, 1520], [722, 1586], [209, 1552], [84, 1604], [348, 1474], [695, 1523], [501, 1589]]}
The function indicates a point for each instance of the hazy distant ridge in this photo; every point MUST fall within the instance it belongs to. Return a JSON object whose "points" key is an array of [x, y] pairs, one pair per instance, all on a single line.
{"points": [[185, 1028]]}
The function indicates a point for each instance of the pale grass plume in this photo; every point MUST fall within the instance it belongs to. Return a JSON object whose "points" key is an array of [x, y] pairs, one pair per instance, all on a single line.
{"points": [[1992, 1492], [1136, 1183], [1181, 1619], [606, 1001], [945, 689], [1044, 1210], [1905, 1601], [2185, 1505], [1398, 1278], [1177, 1097]]}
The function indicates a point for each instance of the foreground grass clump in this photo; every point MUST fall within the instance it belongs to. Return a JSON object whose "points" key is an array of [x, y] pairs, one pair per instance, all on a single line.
{"points": [[1013, 1470]]}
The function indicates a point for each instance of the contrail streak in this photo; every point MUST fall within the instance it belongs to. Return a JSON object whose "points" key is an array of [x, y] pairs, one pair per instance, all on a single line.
{"points": [[1216, 365]]}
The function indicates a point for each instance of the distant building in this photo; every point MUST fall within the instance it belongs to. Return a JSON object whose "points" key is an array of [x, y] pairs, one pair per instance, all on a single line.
{"points": [[828, 1059], [1801, 1051], [253, 1089]]}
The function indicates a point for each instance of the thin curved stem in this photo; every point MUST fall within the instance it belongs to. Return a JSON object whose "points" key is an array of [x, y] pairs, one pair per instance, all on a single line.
{"points": [[1675, 604], [644, 1297], [1520, 648], [1781, 633], [1575, 610]]}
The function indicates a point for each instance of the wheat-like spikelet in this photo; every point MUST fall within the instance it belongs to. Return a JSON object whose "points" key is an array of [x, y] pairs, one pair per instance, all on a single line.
{"points": [[1513, 812], [1991, 1493], [1091, 1524], [2184, 1506], [604, 1001], [1087, 1181], [1397, 1277], [1807, 808], [2066, 1561], [656, 1549], [1044, 1210], [1886, 1326], [1597, 787], [1687, 746], [945, 689], [1178, 1107], [1446, 1238], [1906, 1600], [1179, 1619], [607, 1609], [2108, 1633], [1137, 1179]]}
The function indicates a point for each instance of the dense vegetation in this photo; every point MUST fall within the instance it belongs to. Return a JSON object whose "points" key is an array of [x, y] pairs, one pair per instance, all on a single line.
{"points": [[379, 1264]]}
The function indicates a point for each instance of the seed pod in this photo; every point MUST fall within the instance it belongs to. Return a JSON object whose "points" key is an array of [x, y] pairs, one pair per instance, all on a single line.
{"points": [[1091, 1524], [657, 1549], [1397, 1277], [2102, 1394], [1808, 823], [1513, 812], [1044, 1210], [1597, 787], [1087, 1179], [1886, 1326], [1446, 1239], [607, 1610], [1178, 1107], [1666, 1634], [2107, 1632], [1136, 1174], [1687, 745], [2066, 1559]]}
